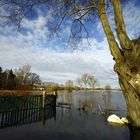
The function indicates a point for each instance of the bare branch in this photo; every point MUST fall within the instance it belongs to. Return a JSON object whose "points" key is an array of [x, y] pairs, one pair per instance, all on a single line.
{"points": [[120, 25], [114, 48]]}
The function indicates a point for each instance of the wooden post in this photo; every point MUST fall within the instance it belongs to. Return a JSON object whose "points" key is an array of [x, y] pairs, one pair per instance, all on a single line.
{"points": [[43, 100]]}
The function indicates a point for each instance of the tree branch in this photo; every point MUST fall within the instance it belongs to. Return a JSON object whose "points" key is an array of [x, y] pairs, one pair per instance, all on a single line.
{"points": [[78, 9], [114, 48], [125, 42]]}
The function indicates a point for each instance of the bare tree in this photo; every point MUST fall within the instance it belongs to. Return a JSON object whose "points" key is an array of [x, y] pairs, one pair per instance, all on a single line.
{"points": [[23, 74], [126, 53], [79, 82], [34, 79], [92, 81], [69, 85], [85, 79]]}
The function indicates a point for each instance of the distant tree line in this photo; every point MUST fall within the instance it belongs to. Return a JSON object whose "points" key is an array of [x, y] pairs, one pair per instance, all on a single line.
{"points": [[7, 79], [84, 82], [21, 78]]}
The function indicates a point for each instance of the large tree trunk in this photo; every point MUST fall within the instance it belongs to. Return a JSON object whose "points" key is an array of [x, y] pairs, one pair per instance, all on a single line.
{"points": [[129, 69], [127, 60], [131, 95], [129, 79]]}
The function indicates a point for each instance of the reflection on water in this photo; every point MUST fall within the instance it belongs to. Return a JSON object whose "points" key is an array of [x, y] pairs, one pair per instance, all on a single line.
{"points": [[24, 116], [98, 103], [17, 110], [78, 116]]}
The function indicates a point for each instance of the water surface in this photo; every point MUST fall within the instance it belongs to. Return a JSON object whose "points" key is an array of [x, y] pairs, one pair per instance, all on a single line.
{"points": [[78, 116]]}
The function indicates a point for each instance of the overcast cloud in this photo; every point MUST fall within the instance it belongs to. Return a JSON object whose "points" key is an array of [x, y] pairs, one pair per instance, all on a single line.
{"points": [[17, 49]]}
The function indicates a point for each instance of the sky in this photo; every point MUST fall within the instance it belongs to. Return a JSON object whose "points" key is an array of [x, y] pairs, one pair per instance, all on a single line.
{"points": [[52, 59]]}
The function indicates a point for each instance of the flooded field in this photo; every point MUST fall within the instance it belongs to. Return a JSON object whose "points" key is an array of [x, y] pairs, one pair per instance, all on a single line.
{"points": [[78, 116]]}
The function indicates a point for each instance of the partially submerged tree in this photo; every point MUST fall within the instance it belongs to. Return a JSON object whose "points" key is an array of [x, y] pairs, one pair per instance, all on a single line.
{"points": [[69, 85], [126, 53], [85, 80], [79, 82], [92, 81], [108, 88]]}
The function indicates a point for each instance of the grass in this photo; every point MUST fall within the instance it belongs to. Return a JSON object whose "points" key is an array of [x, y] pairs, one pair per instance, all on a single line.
{"points": [[19, 92]]}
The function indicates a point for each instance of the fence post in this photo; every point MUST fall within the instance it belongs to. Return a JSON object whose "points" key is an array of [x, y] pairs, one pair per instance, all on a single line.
{"points": [[43, 100]]}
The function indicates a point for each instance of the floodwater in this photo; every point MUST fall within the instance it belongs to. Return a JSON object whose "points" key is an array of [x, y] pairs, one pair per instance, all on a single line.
{"points": [[78, 116]]}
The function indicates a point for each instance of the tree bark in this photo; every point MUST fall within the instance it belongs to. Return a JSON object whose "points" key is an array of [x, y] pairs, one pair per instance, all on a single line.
{"points": [[132, 100], [114, 49], [127, 59], [129, 69]]}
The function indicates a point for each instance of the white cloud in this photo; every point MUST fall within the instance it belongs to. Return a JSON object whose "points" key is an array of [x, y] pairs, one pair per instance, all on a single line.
{"points": [[17, 49], [131, 14], [59, 67], [132, 19]]}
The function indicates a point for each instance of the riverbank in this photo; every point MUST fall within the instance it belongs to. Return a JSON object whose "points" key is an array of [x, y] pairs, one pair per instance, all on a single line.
{"points": [[38, 92], [19, 92]]}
